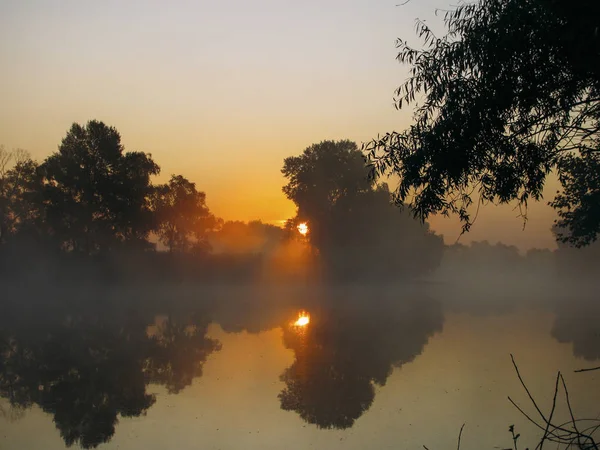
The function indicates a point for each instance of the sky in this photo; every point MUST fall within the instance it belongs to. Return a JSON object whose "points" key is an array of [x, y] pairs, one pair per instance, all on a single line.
{"points": [[221, 91]]}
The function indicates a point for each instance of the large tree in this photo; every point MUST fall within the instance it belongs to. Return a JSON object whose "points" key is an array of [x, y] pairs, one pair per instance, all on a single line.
{"points": [[19, 187], [351, 221], [510, 94], [183, 219], [326, 176], [96, 195]]}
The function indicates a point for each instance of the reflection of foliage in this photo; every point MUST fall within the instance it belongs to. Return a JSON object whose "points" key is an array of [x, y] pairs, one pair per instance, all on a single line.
{"points": [[254, 316], [343, 353], [11, 413], [81, 374], [87, 371], [577, 322], [326, 393], [179, 353]]}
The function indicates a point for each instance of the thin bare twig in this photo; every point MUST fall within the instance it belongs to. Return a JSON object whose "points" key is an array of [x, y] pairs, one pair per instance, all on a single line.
{"points": [[526, 389], [545, 435], [459, 436], [587, 370], [571, 411], [578, 433], [547, 431], [525, 414]]}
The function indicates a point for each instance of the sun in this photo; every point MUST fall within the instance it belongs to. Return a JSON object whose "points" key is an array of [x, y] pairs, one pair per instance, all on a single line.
{"points": [[303, 228], [303, 320]]}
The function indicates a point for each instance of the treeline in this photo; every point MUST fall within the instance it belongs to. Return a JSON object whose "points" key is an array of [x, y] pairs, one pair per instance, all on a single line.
{"points": [[483, 260], [91, 209], [92, 197]]}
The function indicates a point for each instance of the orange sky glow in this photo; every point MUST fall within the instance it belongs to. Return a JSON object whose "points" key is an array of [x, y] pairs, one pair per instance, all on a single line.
{"points": [[221, 92]]}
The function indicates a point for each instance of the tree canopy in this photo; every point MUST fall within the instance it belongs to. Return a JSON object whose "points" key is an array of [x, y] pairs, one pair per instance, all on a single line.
{"points": [[96, 195], [350, 219], [326, 176], [510, 94], [19, 186], [183, 219]]}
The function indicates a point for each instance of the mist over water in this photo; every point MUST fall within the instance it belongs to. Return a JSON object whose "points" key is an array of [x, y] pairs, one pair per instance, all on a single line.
{"points": [[391, 364]]}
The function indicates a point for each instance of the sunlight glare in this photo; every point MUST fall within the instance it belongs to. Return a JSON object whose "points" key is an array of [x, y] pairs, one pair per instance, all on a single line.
{"points": [[303, 320], [303, 228]]}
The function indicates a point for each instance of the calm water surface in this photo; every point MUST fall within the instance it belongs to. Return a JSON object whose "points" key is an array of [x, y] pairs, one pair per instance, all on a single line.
{"points": [[360, 370]]}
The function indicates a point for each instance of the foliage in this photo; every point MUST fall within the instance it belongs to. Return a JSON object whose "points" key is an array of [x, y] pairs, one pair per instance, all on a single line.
{"points": [[578, 204], [509, 94], [327, 175], [95, 195], [19, 186], [351, 221], [183, 219], [179, 351]]}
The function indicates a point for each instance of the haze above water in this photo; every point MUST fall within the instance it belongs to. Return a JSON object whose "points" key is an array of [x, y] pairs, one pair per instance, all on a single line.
{"points": [[231, 367]]}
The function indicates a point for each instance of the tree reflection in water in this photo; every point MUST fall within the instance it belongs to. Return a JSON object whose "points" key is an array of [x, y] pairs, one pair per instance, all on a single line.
{"points": [[345, 351], [576, 322], [87, 369]]}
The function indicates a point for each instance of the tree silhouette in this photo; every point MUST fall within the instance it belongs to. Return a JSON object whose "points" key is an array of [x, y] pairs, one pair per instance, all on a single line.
{"points": [[183, 218], [19, 186], [510, 94], [344, 352], [95, 195], [327, 175], [351, 221], [578, 204]]}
